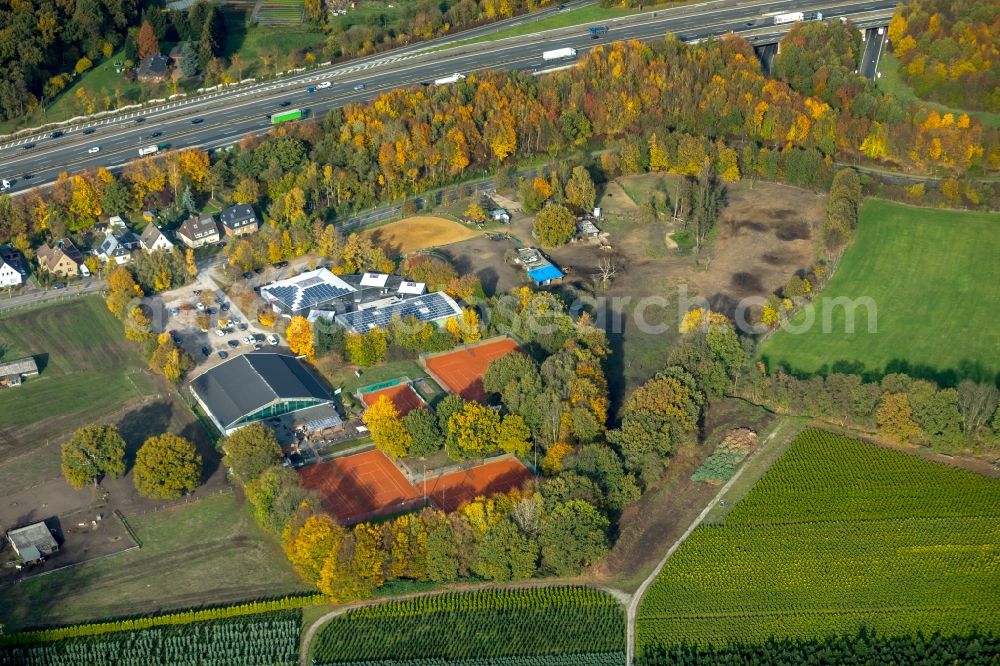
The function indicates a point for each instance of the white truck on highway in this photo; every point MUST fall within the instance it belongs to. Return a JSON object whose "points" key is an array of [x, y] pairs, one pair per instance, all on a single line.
{"points": [[559, 54], [5, 184], [790, 17], [148, 150], [451, 78]]}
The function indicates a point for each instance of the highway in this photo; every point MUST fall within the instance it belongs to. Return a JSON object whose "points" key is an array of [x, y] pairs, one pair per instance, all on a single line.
{"points": [[222, 119]]}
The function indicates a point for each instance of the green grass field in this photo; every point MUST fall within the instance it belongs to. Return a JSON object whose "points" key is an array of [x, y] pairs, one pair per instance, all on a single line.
{"points": [[88, 371], [209, 552], [891, 82], [839, 534], [934, 279], [542, 627]]}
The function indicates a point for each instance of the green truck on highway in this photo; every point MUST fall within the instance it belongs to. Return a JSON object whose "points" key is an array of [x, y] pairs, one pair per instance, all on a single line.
{"points": [[285, 116]]}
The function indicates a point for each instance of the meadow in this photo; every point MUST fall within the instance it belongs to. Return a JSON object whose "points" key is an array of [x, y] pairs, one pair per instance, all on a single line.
{"points": [[838, 536], [522, 627], [206, 552], [88, 371], [933, 278]]}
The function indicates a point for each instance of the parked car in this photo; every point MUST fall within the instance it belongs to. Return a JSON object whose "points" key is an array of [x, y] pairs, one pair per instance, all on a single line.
{"points": [[196, 291], [174, 312], [220, 332], [257, 347], [211, 311], [223, 353], [233, 344], [258, 270], [247, 275], [272, 340], [200, 306], [59, 285], [247, 340], [243, 326], [280, 264], [207, 351], [224, 307]]}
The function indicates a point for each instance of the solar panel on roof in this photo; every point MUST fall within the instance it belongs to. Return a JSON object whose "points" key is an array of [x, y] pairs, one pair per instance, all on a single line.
{"points": [[428, 308]]}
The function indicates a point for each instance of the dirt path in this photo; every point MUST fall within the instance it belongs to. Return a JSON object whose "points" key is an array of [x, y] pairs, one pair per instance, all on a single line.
{"points": [[633, 605]]}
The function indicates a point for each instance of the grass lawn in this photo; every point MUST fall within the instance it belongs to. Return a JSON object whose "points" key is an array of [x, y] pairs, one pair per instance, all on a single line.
{"points": [[209, 552], [891, 82], [839, 534], [253, 42], [88, 371], [934, 278], [342, 375]]}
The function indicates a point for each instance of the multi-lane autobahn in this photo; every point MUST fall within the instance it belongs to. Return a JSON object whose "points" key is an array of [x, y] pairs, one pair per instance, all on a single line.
{"points": [[224, 118]]}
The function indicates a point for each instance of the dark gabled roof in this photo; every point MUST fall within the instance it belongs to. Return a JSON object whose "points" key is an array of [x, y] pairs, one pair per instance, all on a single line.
{"points": [[196, 228], [154, 65], [238, 216], [244, 384], [150, 235]]}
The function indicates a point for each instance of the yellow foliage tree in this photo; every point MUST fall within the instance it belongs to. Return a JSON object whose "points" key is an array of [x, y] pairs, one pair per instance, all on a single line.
{"points": [[465, 327], [388, 432], [300, 337], [309, 546]]}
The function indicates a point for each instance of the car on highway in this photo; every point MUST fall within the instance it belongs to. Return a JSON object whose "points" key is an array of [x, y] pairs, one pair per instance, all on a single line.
{"points": [[155, 134], [223, 353], [359, 86], [26, 176], [94, 149], [89, 130], [323, 84], [138, 120], [272, 339], [311, 89], [56, 134], [28, 146], [197, 121], [285, 103]]}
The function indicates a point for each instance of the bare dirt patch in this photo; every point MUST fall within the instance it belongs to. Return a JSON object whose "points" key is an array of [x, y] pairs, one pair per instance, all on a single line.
{"points": [[486, 258], [418, 233]]}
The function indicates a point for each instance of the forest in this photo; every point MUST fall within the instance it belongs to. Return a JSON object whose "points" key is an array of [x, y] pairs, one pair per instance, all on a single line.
{"points": [[949, 51], [42, 42]]}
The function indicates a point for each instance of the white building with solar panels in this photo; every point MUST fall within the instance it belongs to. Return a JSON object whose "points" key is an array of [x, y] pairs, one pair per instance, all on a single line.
{"points": [[358, 302]]}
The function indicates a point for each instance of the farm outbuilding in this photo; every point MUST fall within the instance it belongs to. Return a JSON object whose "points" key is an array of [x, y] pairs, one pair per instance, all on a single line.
{"points": [[33, 543], [12, 372]]}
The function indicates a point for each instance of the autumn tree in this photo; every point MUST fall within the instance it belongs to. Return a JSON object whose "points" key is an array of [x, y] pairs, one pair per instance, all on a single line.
{"points": [[91, 452], [166, 467], [580, 191], [475, 212], [387, 429], [300, 337], [169, 359], [895, 419], [147, 43], [475, 430], [514, 435], [465, 327], [310, 545], [366, 349], [249, 451], [122, 289], [274, 497], [554, 225], [190, 267]]}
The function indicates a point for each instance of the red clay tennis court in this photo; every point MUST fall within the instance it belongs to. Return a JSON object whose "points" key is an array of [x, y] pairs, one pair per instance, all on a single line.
{"points": [[461, 372], [450, 491], [403, 396], [361, 487]]}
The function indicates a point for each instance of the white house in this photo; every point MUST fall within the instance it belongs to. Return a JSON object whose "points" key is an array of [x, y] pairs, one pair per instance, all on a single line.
{"points": [[118, 247], [153, 239], [9, 276]]}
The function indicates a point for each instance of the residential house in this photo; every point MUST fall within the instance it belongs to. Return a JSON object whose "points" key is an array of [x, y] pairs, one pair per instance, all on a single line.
{"points": [[198, 231], [12, 372], [154, 239], [10, 275], [118, 246], [239, 220], [152, 69], [62, 259]]}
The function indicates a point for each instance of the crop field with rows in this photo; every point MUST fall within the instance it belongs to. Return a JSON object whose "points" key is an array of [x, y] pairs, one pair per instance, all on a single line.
{"points": [[258, 640], [838, 535], [529, 627]]}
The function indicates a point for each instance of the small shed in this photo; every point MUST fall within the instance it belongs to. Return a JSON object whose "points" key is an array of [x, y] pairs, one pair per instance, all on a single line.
{"points": [[500, 215], [33, 543], [544, 275], [12, 372]]}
